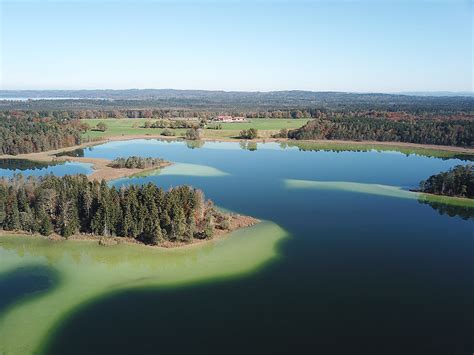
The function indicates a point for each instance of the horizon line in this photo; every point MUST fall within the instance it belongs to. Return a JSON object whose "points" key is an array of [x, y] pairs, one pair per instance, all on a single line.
{"points": [[254, 91]]}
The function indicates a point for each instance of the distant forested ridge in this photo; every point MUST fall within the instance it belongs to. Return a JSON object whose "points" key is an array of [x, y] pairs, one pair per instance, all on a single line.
{"points": [[71, 204], [230, 101], [458, 181], [454, 132], [29, 133]]}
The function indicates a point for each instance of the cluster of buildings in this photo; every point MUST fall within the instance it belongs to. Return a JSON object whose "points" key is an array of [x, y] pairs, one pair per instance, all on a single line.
{"points": [[230, 119]]}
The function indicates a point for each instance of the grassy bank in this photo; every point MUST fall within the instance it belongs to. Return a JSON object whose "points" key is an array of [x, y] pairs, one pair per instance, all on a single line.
{"points": [[447, 200]]}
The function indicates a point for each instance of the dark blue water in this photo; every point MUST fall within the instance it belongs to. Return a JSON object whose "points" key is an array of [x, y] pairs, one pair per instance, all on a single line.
{"points": [[26, 281], [360, 274]]}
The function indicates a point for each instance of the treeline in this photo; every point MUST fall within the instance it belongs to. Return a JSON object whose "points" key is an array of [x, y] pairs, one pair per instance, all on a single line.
{"points": [[458, 181], [135, 162], [71, 204], [314, 111], [171, 124], [454, 133], [29, 134]]}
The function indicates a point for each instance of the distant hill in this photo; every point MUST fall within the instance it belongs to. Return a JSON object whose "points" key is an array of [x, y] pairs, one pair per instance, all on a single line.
{"points": [[438, 93], [228, 100]]}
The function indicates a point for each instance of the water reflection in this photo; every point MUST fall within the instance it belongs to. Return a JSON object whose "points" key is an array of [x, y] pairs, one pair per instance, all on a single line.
{"points": [[465, 212], [12, 167], [25, 164], [248, 145], [77, 153]]}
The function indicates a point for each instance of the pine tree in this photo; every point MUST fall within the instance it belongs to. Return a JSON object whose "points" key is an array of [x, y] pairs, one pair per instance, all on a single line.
{"points": [[157, 235], [12, 216], [3, 202], [190, 229], [67, 222], [44, 223], [179, 225]]}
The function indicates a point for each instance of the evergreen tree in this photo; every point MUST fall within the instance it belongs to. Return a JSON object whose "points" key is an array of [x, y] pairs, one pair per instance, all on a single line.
{"points": [[45, 227], [12, 215]]}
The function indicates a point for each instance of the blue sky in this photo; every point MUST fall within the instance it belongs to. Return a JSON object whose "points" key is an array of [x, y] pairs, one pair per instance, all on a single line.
{"points": [[365, 46]]}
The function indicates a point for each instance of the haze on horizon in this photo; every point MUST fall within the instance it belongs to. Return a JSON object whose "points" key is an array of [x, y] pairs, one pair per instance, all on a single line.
{"points": [[266, 45]]}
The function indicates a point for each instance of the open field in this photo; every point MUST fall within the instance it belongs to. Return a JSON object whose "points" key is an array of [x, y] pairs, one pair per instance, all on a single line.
{"points": [[127, 126]]}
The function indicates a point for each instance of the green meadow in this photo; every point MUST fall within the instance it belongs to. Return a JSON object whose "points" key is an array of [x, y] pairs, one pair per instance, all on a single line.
{"points": [[132, 126]]}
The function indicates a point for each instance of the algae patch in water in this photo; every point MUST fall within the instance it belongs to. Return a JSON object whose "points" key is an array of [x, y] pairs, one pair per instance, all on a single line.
{"points": [[182, 169], [87, 271], [463, 207], [373, 189]]}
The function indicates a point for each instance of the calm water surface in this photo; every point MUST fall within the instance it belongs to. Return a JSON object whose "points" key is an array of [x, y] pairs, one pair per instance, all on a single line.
{"points": [[361, 273], [10, 167]]}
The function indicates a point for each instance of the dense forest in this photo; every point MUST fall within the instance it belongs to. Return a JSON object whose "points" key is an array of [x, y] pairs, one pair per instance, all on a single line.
{"points": [[135, 162], [231, 101], [71, 204], [458, 181], [28, 133], [456, 133]]}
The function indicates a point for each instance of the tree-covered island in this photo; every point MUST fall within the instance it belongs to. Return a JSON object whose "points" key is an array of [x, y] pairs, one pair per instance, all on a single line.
{"points": [[135, 162], [71, 205]]}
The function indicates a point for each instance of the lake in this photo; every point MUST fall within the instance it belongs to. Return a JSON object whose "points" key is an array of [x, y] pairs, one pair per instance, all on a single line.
{"points": [[10, 167], [346, 261]]}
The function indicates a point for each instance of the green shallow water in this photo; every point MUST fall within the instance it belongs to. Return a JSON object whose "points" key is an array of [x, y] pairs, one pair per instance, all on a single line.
{"points": [[87, 270], [372, 189], [378, 190], [182, 169]]}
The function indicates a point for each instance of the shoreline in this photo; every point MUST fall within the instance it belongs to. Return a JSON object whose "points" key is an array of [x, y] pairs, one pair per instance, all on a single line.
{"points": [[444, 199], [237, 222], [50, 154], [100, 166]]}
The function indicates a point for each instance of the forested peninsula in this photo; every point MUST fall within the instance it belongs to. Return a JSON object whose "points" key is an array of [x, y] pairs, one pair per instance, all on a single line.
{"points": [[448, 132], [22, 133], [458, 182], [71, 205]]}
